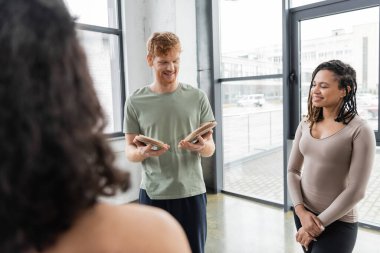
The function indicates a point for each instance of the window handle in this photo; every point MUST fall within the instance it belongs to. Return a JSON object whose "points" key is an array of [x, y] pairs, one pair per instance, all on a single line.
{"points": [[292, 77]]}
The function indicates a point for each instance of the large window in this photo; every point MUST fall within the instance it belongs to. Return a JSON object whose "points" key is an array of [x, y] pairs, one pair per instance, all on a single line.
{"points": [[264, 82], [252, 87], [248, 47], [349, 31], [100, 34], [352, 37]]}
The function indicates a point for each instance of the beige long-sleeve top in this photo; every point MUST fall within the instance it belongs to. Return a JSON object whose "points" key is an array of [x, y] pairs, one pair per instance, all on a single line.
{"points": [[330, 175]]}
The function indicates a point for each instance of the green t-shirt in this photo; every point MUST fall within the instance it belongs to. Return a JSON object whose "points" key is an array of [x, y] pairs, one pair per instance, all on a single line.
{"points": [[169, 117]]}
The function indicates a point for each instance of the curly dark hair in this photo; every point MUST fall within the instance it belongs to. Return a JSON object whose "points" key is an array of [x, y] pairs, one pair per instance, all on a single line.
{"points": [[55, 159], [346, 76]]}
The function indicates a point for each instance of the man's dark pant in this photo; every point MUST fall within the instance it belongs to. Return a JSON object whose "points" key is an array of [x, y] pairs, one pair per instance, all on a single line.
{"points": [[189, 212]]}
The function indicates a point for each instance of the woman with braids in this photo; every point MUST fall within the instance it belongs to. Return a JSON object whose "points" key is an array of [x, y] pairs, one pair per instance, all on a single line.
{"points": [[55, 160], [330, 162]]}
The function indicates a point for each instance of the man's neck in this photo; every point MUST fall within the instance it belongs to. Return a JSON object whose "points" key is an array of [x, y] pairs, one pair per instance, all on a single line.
{"points": [[163, 88]]}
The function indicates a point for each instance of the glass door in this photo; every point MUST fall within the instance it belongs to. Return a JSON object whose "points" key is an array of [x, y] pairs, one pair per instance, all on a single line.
{"points": [[252, 100]]}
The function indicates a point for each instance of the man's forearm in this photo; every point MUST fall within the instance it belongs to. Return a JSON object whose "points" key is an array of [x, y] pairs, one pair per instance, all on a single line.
{"points": [[208, 150], [132, 154]]}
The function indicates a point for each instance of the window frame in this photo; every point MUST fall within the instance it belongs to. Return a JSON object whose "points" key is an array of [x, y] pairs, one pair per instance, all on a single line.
{"points": [[292, 70], [117, 32], [309, 12], [218, 83]]}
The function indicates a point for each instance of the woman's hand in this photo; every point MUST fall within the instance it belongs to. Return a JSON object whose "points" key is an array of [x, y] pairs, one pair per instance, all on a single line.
{"points": [[304, 238], [309, 221]]}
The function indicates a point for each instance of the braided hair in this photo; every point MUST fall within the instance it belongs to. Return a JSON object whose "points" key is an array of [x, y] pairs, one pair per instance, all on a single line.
{"points": [[346, 76]]}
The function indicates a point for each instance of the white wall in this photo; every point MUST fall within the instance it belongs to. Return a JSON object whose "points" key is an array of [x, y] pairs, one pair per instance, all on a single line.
{"points": [[134, 169], [140, 19]]}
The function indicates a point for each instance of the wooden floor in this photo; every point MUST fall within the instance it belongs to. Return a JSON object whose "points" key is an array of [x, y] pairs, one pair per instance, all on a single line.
{"points": [[237, 225]]}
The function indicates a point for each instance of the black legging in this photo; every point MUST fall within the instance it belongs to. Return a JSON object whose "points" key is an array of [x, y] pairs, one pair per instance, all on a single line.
{"points": [[338, 237]]}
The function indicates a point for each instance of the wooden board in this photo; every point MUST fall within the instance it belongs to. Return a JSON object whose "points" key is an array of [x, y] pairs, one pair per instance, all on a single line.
{"points": [[205, 128], [156, 144]]}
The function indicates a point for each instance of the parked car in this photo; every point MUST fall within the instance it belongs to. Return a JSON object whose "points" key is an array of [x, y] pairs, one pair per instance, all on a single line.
{"points": [[252, 100]]}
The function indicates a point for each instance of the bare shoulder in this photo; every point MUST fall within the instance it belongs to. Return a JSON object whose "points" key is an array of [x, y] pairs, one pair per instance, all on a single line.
{"points": [[141, 214], [149, 229], [130, 228]]}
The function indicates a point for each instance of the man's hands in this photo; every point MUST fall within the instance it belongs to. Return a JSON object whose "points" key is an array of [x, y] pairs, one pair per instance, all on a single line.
{"points": [[311, 228], [146, 150], [197, 145], [204, 144], [137, 151]]}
